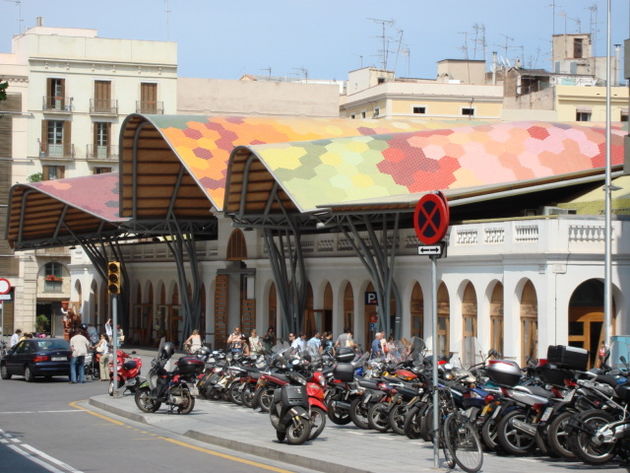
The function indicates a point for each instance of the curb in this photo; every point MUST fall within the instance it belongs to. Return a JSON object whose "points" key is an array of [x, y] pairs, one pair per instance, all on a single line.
{"points": [[272, 454], [118, 412]]}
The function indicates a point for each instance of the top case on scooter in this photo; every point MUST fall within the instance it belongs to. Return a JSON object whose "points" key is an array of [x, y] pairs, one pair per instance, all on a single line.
{"points": [[190, 365]]}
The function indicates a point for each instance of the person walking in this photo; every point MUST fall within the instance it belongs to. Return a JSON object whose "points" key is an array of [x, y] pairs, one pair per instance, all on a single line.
{"points": [[193, 343], [15, 338], [377, 345], [269, 340], [255, 343], [102, 352], [314, 344], [80, 346]]}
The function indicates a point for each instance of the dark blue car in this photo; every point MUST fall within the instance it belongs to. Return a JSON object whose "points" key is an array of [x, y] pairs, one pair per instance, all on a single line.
{"points": [[35, 357]]}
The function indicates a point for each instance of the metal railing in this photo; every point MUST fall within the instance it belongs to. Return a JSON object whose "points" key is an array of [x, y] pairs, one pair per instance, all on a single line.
{"points": [[101, 152], [104, 106], [56, 151], [56, 103], [154, 108]]}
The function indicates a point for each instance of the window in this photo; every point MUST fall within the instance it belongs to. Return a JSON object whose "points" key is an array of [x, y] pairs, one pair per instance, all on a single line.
{"points": [[577, 47], [53, 172], [148, 98], [623, 116], [102, 170], [377, 112], [381, 80], [468, 112], [55, 95], [53, 277], [581, 116], [102, 97], [362, 114], [420, 110], [102, 132], [55, 140], [353, 116]]}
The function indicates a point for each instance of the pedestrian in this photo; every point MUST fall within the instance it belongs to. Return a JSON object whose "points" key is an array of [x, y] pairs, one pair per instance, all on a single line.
{"points": [[601, 355], [327, 342], [15, 338], [108, 330], [269, 340], [255, 343], [235, 341], [314, 344], [80, 346], [120, 336], [345, 339], [377, 346], [102, 353], [193, 343]]}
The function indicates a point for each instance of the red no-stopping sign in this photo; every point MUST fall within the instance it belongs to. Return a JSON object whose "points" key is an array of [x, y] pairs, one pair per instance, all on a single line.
{"points": [[431, 218]]}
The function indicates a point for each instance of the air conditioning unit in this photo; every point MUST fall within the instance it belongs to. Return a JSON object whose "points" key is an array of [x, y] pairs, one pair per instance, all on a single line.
{"points": [[550, 210]]}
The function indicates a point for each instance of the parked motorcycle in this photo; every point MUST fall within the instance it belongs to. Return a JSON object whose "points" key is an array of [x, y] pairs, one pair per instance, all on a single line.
{"points": [[128, 368]]}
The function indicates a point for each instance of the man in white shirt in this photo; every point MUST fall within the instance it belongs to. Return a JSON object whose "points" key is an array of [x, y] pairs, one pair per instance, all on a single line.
{"points": [[80, 346], [15, 338]]}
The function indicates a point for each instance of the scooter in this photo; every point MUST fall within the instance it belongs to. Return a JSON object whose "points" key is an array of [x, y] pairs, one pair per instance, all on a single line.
{"points": [[289, 411], [128, 372]]}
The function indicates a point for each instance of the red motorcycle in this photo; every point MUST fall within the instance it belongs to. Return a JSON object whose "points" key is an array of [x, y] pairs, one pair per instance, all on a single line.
{"points": [[316, 392], [128, 368]]}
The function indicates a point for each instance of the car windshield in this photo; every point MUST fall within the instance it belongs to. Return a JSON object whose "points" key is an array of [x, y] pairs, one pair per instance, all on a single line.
{"points": [[52, 344]]}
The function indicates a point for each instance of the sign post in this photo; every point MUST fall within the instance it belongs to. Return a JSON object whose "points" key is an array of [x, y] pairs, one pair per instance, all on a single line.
{"points": [[431, 219], [5, 289]]}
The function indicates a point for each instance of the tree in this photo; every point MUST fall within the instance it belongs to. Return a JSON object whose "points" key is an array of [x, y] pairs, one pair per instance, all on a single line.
{"points": [[3, 90]]}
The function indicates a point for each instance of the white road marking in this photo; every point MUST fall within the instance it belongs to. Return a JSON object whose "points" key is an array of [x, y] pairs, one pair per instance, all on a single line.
{"points": [[35, 459], [64, 411], [50, 459]]}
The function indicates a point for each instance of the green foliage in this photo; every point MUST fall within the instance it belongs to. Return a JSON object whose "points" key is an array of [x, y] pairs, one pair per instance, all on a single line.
{"points": [[3, 90], [42, 324], [38, 176]]}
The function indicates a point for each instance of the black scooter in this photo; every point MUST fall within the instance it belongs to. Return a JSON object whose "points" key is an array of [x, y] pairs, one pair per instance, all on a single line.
{"points": [[289, 411]]}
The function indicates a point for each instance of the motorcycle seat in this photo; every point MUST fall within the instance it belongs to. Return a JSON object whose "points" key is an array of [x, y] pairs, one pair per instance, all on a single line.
{"points": [[368, 383], [535, 390]]}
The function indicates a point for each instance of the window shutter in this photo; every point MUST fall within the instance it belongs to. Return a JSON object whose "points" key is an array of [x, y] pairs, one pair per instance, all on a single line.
{"points": [[43, 144], [108, 131], [94, 138], [67, 138], [45, 173], [61, 172]]}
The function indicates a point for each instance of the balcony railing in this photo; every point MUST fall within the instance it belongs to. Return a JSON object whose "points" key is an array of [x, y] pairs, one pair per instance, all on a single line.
{"points": [[103, 106], [150, 107], [101, 153], [58, 104], [56, 151]]}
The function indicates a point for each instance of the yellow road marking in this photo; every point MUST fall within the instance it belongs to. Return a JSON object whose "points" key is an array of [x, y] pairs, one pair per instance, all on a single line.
{"points": [[184, 444]]}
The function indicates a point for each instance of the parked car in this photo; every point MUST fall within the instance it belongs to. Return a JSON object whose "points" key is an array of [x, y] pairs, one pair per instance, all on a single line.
{"points": [[37, 357]]}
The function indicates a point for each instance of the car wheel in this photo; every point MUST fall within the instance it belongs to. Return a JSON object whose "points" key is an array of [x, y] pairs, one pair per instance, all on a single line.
{"points": [[4, 372], [28, 375]]}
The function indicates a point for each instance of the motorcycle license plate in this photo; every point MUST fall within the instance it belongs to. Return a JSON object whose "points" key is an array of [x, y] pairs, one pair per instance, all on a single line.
{"points": [[547, 414], [496, 412], [194, 390], [569, 396]]}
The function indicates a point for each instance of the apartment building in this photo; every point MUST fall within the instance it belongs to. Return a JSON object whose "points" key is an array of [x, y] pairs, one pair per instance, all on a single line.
{"points": [[70, 90]]}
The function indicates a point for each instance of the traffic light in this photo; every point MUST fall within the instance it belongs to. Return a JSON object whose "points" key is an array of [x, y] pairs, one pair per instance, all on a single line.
{"points": [[114, 277]]}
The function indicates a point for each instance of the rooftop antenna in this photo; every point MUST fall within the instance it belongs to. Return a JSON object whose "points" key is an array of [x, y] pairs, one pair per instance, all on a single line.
{"points": [[384, 38], [480, 39], [464, 47], [303, 71], [268, 69], [553, 6], [407, 52], [400, 37], [167, 13], [506, 46], [18, 4], [593, 26]]}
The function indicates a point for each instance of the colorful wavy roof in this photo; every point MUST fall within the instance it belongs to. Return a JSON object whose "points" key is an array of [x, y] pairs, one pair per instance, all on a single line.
{"points": [[328, 171], [204, 144]]}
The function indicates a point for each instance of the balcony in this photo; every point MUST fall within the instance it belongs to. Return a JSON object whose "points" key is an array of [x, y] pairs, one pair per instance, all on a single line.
{"points": [[101, 153], [63, 151], [153, 108], [57, 104], [103, 107]]}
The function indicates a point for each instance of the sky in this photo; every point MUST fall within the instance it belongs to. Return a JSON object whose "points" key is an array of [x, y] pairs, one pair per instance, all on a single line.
{"points": [[324, 39]]}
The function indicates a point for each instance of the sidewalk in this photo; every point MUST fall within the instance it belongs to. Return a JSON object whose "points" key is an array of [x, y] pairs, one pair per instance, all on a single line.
{"points": [[339, 449]]}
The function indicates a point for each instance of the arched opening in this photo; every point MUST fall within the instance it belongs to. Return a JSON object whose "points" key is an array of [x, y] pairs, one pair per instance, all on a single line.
{"points": [[162, 313], [94, 308], [202, 313], [77, 301], [496, 318], [348, 308], [586, 317], [469, 318], [236, 248], [444, 320], [135, 325], [323, 316], [417, 311], [173, 321], [272, 308], [148, 334], [309, 326], [529, 323]]}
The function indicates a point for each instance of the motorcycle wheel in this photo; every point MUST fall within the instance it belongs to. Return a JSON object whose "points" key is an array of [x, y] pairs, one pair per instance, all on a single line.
{"points": [[318, 422], [234, 394], [412, 423], [337, 416], [581, 441], [510, 438], [426, 423], [558, 436], [248, 395], [359, 413], [145, 402], [275, 420], [397, 418], [298, 431], [264, 398], [110, 386], [188, 403], [378, 417], [489, 435]]}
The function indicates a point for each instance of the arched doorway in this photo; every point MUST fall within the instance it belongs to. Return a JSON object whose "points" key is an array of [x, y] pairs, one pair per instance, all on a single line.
{"points": [[529, 323], [496, 318], [586, 317], [469, 319], [444, 320], [236, 247], [147, 323], [309, 326], [348, 308], [323, 317], [417, 311], [272, 308]]}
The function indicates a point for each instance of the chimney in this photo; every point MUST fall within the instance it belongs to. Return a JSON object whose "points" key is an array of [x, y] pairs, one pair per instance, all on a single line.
{"points": [[494, 68], [39, 21]]}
